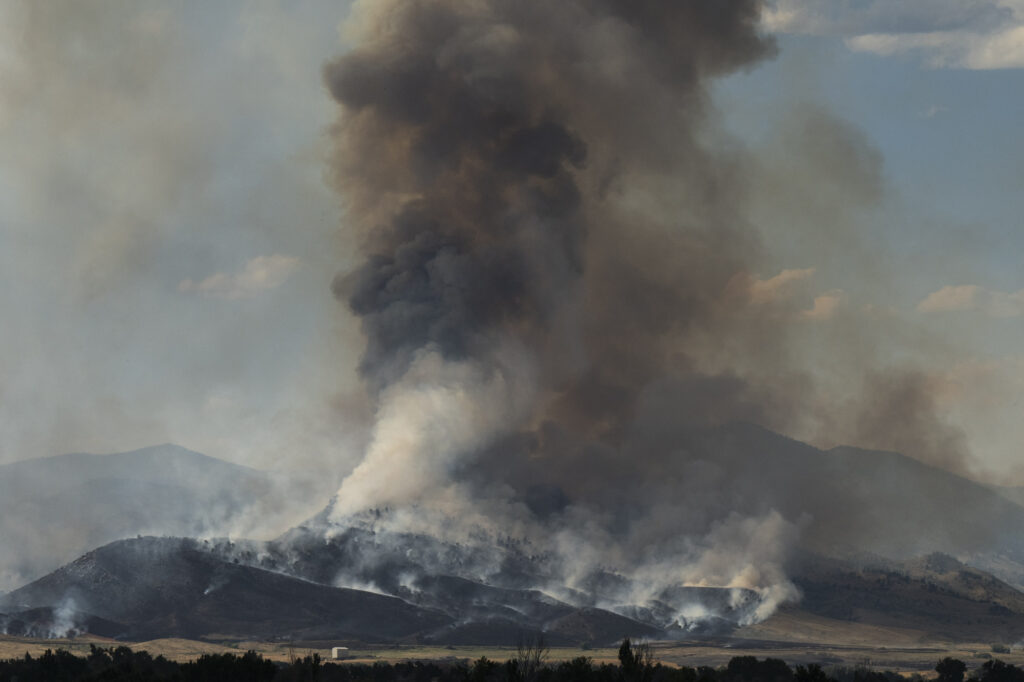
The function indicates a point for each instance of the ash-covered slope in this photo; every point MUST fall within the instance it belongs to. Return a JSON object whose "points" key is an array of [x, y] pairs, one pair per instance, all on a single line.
{"points": [[486, 578], [493, 590], [169, 587], [152, 587], [53, 509], [174, 587], [847, 503]]}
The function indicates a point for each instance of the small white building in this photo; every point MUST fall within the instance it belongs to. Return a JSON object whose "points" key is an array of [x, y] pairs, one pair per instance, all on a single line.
{"points": [[339, 652]]}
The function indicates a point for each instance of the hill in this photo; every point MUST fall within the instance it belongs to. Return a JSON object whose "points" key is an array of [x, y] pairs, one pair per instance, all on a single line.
{"points": [[885, 541], [857, 501], [56, 508], [171, 587], [176, 587], [851, 505], [935, 595]]}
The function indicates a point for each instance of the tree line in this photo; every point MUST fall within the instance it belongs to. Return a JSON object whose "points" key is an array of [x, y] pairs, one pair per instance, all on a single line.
{"points": [[528, 664]]}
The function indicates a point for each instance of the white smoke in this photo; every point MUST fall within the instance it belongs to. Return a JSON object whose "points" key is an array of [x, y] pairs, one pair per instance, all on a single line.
{"points": [[64, 624], [438, 413]]}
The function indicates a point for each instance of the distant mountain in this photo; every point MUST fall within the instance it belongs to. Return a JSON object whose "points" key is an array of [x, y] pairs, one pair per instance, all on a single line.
{"points": [[1014, 494], [53, 509], [853, 501]]}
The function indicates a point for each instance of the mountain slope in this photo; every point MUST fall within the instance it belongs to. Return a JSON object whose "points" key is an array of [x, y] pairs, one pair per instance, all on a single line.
{"points": [[863, 517], [846, 502], [170, 587], [936, 594], [849, 500], [54, 509], [174, 587]]}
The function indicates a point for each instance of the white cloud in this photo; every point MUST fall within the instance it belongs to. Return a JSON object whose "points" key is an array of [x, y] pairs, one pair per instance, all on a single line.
{"points": [[779, 289], [771, 289], [972, 34], [853, 17], [948, 298], [259, 274], [973, 297], [825, 306], [1002, 49]]}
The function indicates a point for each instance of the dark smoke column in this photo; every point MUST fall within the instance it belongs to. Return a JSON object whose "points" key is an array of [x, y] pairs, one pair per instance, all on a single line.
{"points": [[498, 160]]}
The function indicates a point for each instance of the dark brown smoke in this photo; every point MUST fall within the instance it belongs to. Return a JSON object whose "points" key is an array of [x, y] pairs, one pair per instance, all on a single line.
{"points": [[558, 291], [901, 415], [482, 153]]}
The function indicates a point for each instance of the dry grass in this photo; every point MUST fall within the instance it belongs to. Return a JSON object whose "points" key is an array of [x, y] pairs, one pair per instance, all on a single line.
{"points": [[795, 638], [470, 653], [920, 659], [188, 649]]}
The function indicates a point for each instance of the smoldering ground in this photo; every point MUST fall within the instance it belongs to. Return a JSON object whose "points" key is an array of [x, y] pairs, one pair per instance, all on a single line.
{"points": [[559, 285]]}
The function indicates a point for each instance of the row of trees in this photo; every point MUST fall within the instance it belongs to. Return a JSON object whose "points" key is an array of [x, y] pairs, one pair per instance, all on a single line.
{"points": [[528, 664]]}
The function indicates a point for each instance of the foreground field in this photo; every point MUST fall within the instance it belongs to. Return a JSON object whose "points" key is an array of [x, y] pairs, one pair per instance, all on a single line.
{"points": [[186, 650], [793, 635], [896, 656], [182, 650]]}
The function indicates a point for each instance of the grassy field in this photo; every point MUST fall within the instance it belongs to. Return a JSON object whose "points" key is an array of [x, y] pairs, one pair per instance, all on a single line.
{"points": [[920, 659], [471, 653], [895, 654], [792, 635], [187, 649]]}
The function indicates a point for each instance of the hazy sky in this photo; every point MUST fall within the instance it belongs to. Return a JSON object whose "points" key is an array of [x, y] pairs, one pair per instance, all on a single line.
{"points": [[168, 240]]}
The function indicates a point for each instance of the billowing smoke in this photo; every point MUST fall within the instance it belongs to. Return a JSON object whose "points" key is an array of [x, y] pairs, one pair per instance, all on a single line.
{"points": [[548, 243], [560, 291], [59, 621], [574, 285]]}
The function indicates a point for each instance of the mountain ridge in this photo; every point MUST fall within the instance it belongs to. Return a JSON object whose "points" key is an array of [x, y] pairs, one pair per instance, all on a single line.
{"points": [[883, 540], [55, 508]]}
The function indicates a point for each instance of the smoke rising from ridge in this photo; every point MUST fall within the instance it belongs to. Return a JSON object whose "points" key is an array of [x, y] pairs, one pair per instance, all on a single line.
{"points": [[559, 289]]}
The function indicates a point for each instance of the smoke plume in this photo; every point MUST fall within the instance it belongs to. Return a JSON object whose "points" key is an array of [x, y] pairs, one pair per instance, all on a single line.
{"points": [[559, 289]]}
